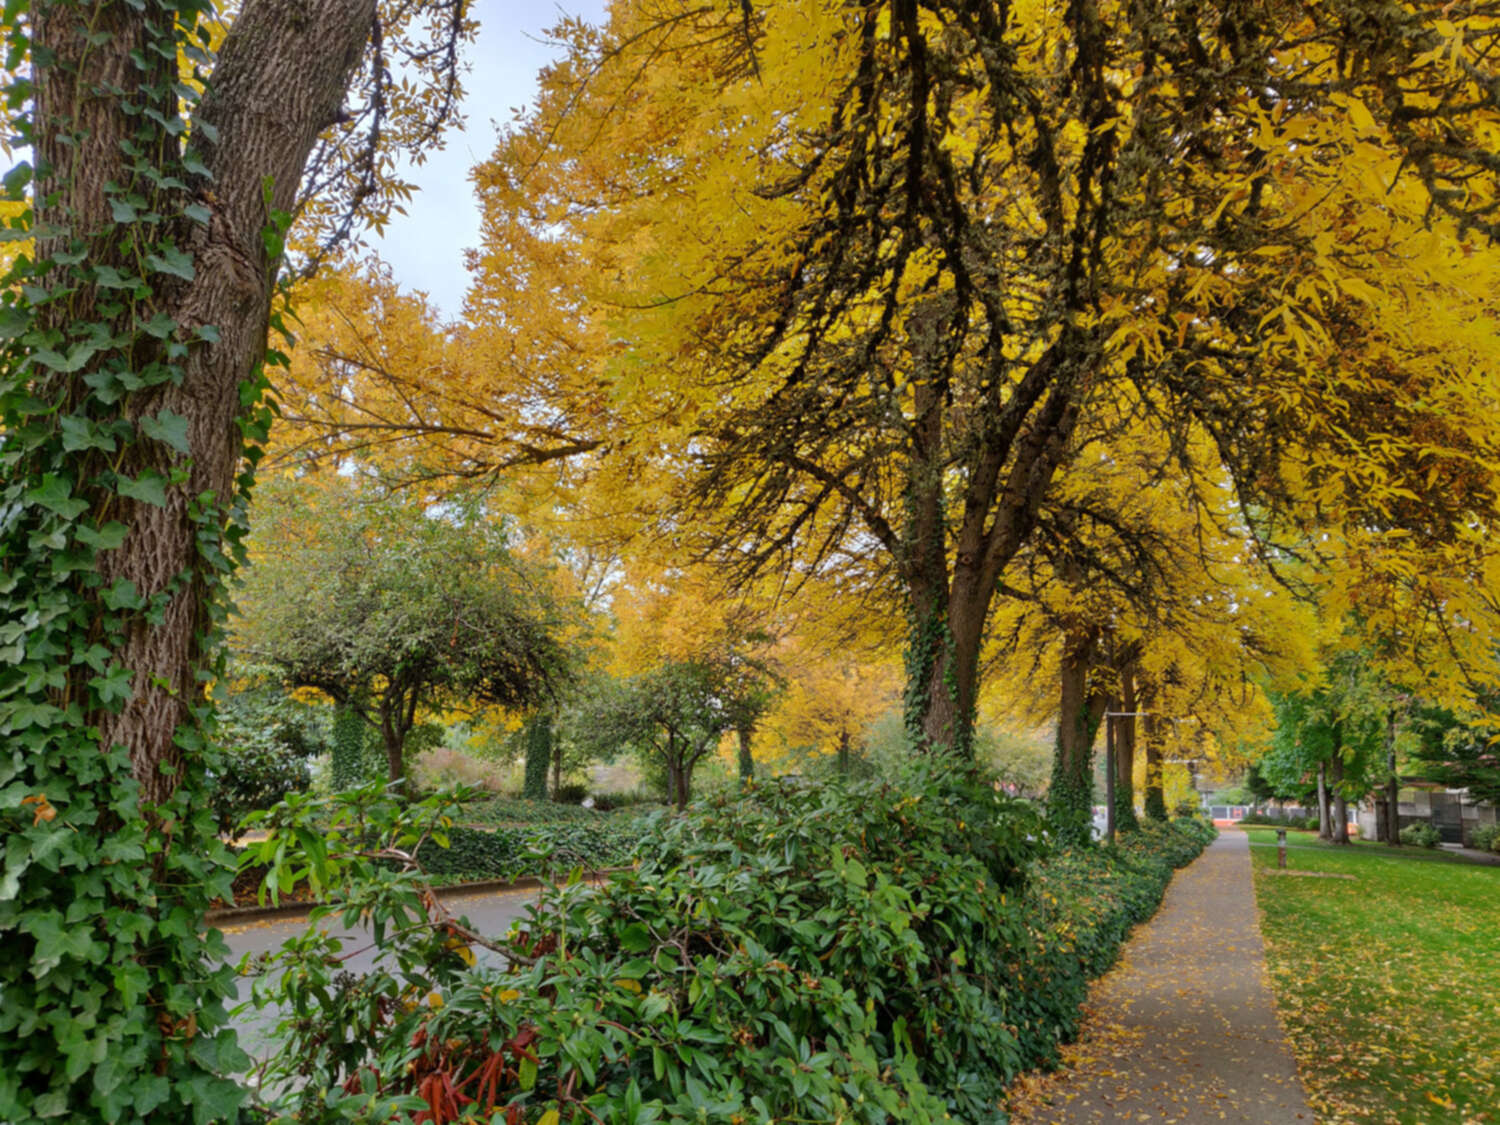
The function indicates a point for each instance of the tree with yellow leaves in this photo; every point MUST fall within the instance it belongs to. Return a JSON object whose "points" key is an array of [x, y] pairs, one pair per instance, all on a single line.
{"points": [[877, 268]]}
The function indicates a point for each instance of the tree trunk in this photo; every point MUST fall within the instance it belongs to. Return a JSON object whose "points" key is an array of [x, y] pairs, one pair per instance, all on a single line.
{"points": [[1154, 801], [538, 744], [278, 82], [1070, 798], [1340, 825], [1125, 731], [1325, 819], [392, 743], [844, 755], [745, 735], [557, 766], [1392, 782]]}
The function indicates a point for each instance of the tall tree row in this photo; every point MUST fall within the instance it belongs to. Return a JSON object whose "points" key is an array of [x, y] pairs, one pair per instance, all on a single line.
{"points": [[893, 267]]}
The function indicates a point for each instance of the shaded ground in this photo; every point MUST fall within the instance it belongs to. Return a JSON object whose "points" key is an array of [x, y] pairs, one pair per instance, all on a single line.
{"points": [[1183, 1029]]}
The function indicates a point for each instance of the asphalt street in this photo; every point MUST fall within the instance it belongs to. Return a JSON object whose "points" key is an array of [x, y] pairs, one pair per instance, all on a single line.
{"points": [[490, 914]]}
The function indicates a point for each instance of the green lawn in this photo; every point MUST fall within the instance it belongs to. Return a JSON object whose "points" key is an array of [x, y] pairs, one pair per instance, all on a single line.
{"points": [[1387, 982]]}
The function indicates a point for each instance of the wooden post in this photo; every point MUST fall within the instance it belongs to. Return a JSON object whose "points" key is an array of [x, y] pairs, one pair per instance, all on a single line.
{"points": [[1281, 847]]}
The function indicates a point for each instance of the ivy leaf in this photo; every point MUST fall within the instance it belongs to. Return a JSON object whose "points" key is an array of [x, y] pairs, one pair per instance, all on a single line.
{"points": [[169, 428], [56, 495], [78, 355], [149, 488], [113, 687], [82, 433], [13, 322], [178, 263], [106, 538]]}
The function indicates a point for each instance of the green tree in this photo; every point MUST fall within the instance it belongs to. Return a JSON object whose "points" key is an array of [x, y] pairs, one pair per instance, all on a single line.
{"points": [[672, 715], [1333, 731], [391, 608], [1458, 750]]}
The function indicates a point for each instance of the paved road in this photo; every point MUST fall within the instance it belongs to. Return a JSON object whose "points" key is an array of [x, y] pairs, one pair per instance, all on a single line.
{"points": [[1183, 1030], [491, 915]]}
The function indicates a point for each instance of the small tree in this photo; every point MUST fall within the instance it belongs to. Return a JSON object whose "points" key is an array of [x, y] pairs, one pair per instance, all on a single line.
{"points": [[389, 608], [675, 714]]}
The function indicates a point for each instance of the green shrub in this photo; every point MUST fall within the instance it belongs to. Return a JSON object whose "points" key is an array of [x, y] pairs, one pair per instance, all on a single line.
{"points": [[504, 853], [1420, 835], [1485, 837], [865, 952], [255, 775]]}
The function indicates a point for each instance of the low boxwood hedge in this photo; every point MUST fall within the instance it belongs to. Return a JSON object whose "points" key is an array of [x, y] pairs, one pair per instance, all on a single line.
{"points": [[864, 953]]}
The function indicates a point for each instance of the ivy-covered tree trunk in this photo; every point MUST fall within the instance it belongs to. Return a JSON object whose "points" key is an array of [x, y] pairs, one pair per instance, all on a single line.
{"points": [[351, 734], [129, 389], [538, 742], [1125, 738], [746, 758], [1070, 798]]}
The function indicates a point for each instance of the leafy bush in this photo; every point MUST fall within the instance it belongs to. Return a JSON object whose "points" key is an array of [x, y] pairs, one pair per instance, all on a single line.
{"points": [[1485, 837], [866, 952], [504, 853], [255, 777], [267, 738], [1420, 835], [570, 794]]}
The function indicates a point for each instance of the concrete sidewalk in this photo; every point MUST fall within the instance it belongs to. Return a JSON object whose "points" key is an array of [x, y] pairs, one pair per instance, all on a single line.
{"points": [[1182, 1029]]}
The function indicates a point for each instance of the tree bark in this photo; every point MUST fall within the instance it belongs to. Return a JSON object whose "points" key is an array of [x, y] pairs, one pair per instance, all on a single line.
{"points": [[1392, 782], [1340, 825], [1070, 798], [1125, 732], [1325, 818], [279, 81]]}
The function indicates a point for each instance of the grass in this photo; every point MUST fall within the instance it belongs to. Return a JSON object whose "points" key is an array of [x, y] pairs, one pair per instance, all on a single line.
{"points": [[1388, 982]]}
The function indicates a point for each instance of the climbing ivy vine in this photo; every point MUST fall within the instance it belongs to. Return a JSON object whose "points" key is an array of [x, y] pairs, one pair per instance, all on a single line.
{"points": [[114, 997]]}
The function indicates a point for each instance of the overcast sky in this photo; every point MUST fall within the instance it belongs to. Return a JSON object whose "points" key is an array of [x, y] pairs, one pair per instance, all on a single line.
{"points": [[425, 247]]}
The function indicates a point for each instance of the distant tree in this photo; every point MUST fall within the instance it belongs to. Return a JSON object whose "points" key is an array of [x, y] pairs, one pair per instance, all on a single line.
{"points": [[1333, 731], [1458, 751], [673, 715], [1258, 787], [389, 608]]}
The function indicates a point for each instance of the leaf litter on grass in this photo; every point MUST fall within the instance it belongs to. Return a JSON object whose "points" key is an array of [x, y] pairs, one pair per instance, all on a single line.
{"points": [[1386, 981]]}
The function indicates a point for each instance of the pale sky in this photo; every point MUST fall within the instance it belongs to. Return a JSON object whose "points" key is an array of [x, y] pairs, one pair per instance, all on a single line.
{"points": [[425, 247]]}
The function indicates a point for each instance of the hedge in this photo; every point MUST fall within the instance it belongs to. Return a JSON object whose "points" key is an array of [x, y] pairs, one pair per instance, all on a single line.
{"points": [[504, 853], [861, 953]]}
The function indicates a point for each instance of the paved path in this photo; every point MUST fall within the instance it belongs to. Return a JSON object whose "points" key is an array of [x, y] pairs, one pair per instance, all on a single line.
{"points": [[491, 915], [1182, 1030]]}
